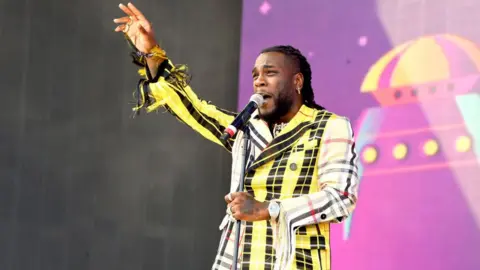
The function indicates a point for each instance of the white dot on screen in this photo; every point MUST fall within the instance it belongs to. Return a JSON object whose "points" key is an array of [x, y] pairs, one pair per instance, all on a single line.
{"points": [[265, 8], [362, 41]]}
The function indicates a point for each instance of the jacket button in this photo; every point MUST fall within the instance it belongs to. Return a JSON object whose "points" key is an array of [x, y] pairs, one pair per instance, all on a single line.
{"points": [[293, 166], [323, 216]]}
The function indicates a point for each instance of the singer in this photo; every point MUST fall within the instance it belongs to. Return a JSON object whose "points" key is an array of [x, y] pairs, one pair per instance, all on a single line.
{"points": [[301, 171]]}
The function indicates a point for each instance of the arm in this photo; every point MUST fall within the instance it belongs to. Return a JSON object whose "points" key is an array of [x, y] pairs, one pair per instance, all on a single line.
{"points": [[337, 188], [337, 180], [165, 85], [171, 91]]}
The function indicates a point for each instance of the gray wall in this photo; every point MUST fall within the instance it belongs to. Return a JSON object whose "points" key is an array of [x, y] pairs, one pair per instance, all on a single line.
{"points": [[82, 185]]}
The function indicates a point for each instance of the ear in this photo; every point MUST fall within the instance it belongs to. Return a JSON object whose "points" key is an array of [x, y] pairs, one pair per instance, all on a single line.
{"points": [[298, 81]]}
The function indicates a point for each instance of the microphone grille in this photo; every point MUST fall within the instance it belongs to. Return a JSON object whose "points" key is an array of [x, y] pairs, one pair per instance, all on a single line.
{"points": [[257, 98]]}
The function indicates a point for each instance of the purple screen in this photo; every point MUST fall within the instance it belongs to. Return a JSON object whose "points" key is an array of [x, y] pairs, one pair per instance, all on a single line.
{"points": [[406, 74]]}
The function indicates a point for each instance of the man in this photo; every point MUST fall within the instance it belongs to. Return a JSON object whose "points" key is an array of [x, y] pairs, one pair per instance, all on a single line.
{"points": [[301, 173]]}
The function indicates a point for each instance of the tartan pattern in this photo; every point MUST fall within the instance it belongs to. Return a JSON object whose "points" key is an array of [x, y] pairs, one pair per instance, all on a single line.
{"points": [[310, 168], [205, 118]]}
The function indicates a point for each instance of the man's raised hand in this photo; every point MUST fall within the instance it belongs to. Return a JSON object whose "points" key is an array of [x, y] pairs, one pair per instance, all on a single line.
{"points": [[136, 27]]}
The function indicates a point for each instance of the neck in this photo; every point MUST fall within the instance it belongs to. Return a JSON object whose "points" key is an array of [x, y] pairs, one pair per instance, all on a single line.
{"points": [[290, 114], [286, 117]]}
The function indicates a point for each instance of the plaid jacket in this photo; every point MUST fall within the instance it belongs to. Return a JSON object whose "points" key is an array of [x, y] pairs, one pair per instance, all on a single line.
{"points": [[310, 167]]}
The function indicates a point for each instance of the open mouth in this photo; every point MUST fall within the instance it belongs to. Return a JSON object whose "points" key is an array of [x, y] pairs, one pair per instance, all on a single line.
{"points": [[266, 96]]}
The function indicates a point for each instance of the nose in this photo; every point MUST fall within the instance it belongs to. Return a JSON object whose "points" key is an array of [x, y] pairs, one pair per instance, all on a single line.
{"points": [[259, 81]]}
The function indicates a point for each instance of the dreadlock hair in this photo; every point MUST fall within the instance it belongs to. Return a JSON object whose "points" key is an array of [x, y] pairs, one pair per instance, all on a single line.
{"points": [[302, 63]]}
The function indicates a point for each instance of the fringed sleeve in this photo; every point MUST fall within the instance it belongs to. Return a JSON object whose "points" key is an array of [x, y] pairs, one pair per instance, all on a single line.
{"points": [[170, 89], [337, 190]]}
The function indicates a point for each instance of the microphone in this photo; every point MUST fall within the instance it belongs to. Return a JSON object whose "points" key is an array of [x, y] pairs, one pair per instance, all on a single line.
{"points": [[243, 117]]}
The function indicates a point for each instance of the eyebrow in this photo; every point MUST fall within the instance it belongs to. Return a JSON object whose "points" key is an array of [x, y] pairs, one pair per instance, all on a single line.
{"points": [[264, 66]]}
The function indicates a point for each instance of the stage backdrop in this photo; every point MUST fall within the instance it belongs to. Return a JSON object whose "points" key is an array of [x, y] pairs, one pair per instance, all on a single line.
{"points": [[406, 73], [83, 186]]}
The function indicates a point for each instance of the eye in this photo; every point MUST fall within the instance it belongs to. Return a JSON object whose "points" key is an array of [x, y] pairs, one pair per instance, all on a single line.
{"points": [[271, 72]]}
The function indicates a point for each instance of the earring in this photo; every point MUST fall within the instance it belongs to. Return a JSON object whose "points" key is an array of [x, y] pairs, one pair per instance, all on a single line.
{"points": [[298, 91]]}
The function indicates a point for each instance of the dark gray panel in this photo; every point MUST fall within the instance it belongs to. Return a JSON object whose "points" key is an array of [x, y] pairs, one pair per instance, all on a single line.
{"points": [[84, 186]]}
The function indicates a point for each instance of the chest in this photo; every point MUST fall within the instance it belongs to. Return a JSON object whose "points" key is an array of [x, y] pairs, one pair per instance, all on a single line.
{"points": [[290, 172]]}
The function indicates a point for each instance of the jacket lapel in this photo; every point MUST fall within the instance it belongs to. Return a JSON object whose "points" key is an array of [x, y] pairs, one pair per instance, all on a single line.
{"points": [[293, 131]]}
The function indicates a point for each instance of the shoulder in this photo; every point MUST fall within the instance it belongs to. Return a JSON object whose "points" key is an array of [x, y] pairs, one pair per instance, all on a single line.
{"points": [[333, 124], [329, 117]]}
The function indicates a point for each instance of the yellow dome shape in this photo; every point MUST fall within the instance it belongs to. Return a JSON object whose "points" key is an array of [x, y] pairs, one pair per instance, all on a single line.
{"points": [[424, 60]]}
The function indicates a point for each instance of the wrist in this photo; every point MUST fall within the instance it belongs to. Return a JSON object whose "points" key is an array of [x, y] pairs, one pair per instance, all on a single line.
{"points": [[262, 211], [273, 210], [266, 213], [156, 53], [153, 55]]}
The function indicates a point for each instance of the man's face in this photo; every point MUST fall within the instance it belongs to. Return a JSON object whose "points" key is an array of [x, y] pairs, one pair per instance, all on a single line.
{"points": [[273, 78]]}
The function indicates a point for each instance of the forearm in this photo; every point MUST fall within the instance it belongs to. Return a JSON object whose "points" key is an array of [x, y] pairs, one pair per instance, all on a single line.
{"points": [[328, 205], [166, 85], [170, 89], [152, 65]]}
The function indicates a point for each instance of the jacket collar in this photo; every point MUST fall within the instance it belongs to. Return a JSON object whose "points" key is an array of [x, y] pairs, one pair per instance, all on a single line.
{"points": [[292, 132]]}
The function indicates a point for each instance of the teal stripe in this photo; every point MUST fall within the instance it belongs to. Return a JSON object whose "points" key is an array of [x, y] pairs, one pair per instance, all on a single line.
{"points": [[469, 106], [369, 123]]}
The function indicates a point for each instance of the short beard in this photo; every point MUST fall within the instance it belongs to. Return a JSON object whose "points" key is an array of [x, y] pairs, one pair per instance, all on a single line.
{"points": [[282, 106]]}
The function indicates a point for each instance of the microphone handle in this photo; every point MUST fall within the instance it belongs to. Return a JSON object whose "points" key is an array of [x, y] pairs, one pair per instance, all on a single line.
{"points": [[225, 136], [239, 122]]}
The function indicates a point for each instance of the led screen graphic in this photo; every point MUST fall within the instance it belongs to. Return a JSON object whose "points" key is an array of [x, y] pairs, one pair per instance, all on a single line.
{"points": [[406, 73]]}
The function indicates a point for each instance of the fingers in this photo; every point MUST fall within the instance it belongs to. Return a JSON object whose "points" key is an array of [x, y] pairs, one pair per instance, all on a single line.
{"points": [[126, 10], [133, 11], [237, 196], [237, 213], [122, 20], [136, 12], [120, 28], [232, 204], [133, 16], [230, 197], [127, 21], [123, 28], [235, 202], [234, 209]]}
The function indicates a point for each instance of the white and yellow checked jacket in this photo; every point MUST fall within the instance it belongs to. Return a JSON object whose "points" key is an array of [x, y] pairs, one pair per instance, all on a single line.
{"points": [[310, 167]]}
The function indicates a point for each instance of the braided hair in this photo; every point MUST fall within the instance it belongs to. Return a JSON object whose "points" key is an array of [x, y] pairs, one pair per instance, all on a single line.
{"points": [[302, 63]]}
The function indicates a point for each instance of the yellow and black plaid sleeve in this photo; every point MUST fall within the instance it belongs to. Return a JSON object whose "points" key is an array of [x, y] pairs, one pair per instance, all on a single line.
{"points": [[171, 91], [337, 189], [337, 179]]}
